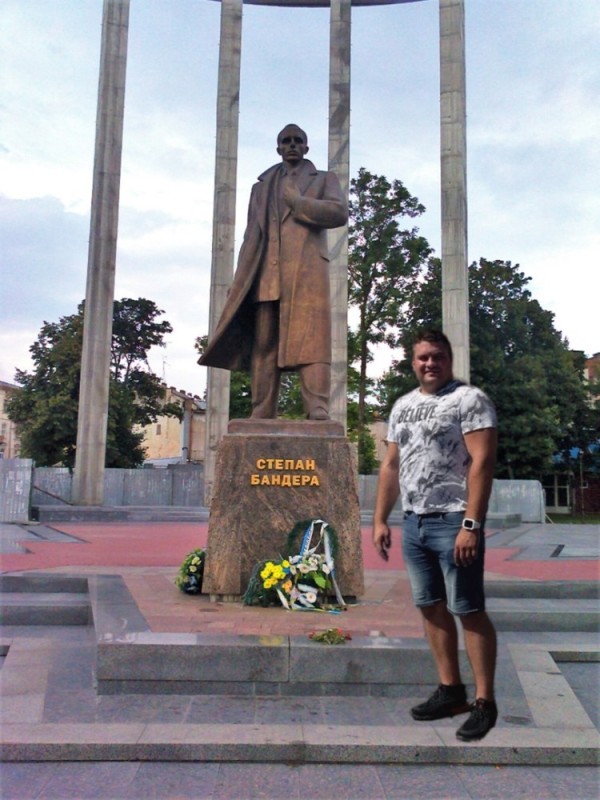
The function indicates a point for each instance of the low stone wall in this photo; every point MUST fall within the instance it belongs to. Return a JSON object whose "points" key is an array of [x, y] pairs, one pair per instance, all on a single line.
{"points": [[177, 485], [183, 485], [523, 498]]}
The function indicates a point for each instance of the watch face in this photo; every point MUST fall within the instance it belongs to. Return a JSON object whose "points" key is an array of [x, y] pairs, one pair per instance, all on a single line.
{"points": [[471, 524]]}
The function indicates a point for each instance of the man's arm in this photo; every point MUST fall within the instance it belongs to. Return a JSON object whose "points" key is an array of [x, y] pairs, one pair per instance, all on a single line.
{"points": [[481, 446], [328, 210], [388, 490]]}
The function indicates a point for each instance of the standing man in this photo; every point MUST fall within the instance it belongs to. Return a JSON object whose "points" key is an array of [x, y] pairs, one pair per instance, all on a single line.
{"points": [[277, 316], [441, 455]]}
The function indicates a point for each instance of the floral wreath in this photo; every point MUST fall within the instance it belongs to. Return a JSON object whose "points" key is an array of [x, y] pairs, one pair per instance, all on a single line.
{"points": [[299, 582]]}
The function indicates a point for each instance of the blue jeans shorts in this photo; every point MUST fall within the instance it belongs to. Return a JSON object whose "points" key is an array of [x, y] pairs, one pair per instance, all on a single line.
{"points": [[428, 548]]}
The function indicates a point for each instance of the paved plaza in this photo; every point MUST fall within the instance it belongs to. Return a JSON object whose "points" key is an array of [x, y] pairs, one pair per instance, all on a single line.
{"points": [[116, 710]]}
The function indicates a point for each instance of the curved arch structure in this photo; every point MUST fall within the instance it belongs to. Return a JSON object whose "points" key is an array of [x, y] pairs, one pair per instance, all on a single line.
{"points": [[91, 438], [322, 3]]}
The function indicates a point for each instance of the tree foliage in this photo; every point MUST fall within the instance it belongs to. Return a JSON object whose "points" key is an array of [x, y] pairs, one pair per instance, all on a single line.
{"points": [[384, 259], [45, 410], [517, 357], [240, 394]]}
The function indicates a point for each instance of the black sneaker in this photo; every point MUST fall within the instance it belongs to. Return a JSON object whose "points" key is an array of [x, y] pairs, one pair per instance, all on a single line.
{"points": [[482, 719], [446, 701]]}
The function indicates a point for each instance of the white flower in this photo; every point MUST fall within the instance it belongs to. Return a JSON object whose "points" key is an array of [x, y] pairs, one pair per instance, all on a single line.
{"points": [[325, 568], [304, 568], [311, 597]]}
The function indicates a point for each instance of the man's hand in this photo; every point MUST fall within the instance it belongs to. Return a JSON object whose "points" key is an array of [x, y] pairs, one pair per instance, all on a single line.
{"points": [[466, 545], [382, 540], [291, 193]]}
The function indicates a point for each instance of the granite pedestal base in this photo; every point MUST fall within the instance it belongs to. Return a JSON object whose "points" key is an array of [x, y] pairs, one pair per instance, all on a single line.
{"points": [[270, 475]]}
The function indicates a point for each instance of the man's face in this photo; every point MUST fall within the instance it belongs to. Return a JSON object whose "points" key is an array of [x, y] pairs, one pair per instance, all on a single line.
{"points": [[292, 146], [432, 366]]}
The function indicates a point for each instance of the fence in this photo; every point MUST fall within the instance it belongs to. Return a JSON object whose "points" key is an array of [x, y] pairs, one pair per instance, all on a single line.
{"points": [[15, 489], [525, 498], [21, 485], [177, 485]]}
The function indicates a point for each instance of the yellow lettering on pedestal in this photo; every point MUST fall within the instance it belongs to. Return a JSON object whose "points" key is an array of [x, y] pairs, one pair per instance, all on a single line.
{"points": [[279, 465]]}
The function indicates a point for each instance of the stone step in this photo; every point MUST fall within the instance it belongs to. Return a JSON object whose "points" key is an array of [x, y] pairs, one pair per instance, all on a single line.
{"points": [[66, 513], [45, 608], [44, 599], [180, 663], [30, 582], [294, 743], [543, 614], [558, 590]]}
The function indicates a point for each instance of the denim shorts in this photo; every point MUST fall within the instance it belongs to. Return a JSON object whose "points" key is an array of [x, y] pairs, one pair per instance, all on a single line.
{"points": [[428, 548]]}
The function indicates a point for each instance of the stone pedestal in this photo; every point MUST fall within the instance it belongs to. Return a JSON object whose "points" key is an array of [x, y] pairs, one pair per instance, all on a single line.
{"points": [[271, 474]]}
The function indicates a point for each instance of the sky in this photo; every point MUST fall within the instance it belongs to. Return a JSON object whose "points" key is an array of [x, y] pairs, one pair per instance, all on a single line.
{"points": [[533, 147]]}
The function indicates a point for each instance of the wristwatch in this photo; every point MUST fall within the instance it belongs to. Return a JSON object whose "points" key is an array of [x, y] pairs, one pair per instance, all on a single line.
{"points": [[471, 524]]}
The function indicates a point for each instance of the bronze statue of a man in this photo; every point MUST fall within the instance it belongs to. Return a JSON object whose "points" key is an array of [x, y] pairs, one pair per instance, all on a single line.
{"points": [[277, 316]]}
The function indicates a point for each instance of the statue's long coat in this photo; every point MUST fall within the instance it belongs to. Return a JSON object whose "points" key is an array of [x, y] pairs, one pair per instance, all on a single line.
{"points": [[283, 257]]}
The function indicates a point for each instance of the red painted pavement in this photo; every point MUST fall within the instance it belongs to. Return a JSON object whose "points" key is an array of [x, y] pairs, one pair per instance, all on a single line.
{"points": [[165, 544]]}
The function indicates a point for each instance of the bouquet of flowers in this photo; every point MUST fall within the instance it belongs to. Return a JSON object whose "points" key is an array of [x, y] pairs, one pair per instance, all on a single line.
{"points": [[189, 578], [300, 582]]}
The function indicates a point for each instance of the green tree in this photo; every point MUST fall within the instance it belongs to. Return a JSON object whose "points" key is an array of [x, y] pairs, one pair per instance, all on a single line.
{"points": [[517, 357], [384, 259], [240, 394], [45, 410]]}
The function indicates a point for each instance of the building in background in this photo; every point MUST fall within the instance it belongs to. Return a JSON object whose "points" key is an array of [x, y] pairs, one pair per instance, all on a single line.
{"points": [[591, 373], [9, 441], [173, 441]]}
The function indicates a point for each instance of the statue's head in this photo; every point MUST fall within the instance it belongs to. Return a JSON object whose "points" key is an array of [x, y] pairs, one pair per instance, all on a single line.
{"points": [[292, 144]]}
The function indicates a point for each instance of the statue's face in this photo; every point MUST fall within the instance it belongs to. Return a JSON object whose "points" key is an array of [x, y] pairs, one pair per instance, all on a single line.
{"points": [[291, 145]]}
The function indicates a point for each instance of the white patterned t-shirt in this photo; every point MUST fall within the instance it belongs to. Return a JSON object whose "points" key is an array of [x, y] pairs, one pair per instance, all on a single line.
{"points": [[428, 429]]}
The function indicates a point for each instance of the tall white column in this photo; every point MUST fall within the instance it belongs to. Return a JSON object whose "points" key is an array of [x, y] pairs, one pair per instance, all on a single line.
{"points": [[217, 397], [88, 479], [453, 145], [339, 162]]}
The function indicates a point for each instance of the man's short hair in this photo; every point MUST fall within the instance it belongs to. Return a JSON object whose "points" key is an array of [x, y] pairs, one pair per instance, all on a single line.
{"points": [[291, 125], [433, 336]]}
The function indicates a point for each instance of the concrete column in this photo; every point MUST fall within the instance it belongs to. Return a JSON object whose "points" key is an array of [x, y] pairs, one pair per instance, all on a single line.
{"points": [[339, 162], [186, 430], [228, 97], [453, 145], [88, 479]]}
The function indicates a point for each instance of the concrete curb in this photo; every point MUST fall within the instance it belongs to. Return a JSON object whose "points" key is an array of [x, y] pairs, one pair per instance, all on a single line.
{"points": [[293, 743]]}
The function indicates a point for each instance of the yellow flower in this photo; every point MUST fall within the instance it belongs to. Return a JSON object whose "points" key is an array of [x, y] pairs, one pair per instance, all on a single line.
{"points": [[193, 569]]}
